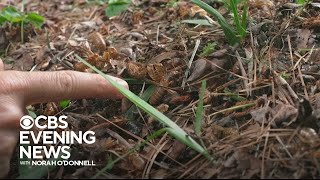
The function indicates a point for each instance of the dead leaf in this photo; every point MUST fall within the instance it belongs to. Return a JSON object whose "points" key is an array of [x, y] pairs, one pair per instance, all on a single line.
{"points": [[159, 93], [284, 113], [312, 22], [24, 63], [156, 72], [199, 67], [261, 115], [219, 53], [176, 149], [303, 37], [136, 70], [137, 162], [129, 53], [163, 56], [97, 42]]}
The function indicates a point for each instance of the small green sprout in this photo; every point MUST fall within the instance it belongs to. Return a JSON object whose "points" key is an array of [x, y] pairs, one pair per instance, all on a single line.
{"points": [[208, 49], [172, 3], [11, 15], [64, 104], [115, 7]]}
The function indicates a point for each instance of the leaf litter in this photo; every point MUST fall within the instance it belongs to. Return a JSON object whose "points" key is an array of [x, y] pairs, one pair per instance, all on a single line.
{"points": [[261, 104]]}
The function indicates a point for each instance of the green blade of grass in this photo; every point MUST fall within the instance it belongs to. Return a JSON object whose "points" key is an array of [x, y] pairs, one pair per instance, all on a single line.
{"points": [[178, 133], [229, 33], [203, 22], [200, 109], [234, 10], [35, 19], [244, 19], [145, 96]]}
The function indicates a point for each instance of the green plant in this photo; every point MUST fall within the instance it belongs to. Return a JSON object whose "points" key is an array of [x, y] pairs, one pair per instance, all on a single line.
{"points": [[233, 36], [199, 113], [115, 7], [172, 3], [11, 15], [64, 104], [301, 1], [208, 49], [172, 128], [285, 75]]}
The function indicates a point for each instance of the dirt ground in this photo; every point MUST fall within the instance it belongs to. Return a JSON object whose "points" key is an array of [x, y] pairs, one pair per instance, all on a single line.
{"points": [[261, 103]]}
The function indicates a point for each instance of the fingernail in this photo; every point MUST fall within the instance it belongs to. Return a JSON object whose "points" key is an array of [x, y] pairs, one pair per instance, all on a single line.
{"points": [[123, 83]]}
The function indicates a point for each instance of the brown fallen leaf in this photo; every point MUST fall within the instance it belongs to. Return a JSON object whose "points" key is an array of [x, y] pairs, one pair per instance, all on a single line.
{"points": [[136, 70], [199, 67], [284, 113], [156, 72], [303, 37], [136, 161], [97, 42], [24, 63], [219, 53], [312, 22], [261, 115], [163, 56], [176, 149]]}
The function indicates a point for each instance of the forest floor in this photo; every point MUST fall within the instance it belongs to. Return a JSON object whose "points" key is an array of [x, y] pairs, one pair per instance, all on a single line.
{"points": [[261, 102]]}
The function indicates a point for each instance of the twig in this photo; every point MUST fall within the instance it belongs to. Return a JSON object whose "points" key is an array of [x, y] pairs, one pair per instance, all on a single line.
{"points": [[243, 73], [291, 57], [303, 84], [157, 39], [263, 154], [190, 63]]}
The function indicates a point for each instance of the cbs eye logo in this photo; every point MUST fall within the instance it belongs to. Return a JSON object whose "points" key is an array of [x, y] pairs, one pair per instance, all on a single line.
{"points": [[26, 122]]}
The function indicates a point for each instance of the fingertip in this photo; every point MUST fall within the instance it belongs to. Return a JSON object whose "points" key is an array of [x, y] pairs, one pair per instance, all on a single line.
{"points": [[123, 83]]}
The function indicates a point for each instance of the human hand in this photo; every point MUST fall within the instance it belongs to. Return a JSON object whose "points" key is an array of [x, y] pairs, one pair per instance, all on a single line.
{"points": [[20, 89]]}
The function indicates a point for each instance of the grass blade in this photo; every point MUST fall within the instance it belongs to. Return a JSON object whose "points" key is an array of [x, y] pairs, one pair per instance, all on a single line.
{"points": [[200, 109], [244, 19], [145, 96], [177, 132], [236, 19], [228, 31], [203, 22]]}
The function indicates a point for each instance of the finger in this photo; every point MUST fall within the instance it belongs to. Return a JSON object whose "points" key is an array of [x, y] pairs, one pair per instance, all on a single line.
{"points": [[1, 65], [35, 87]]}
